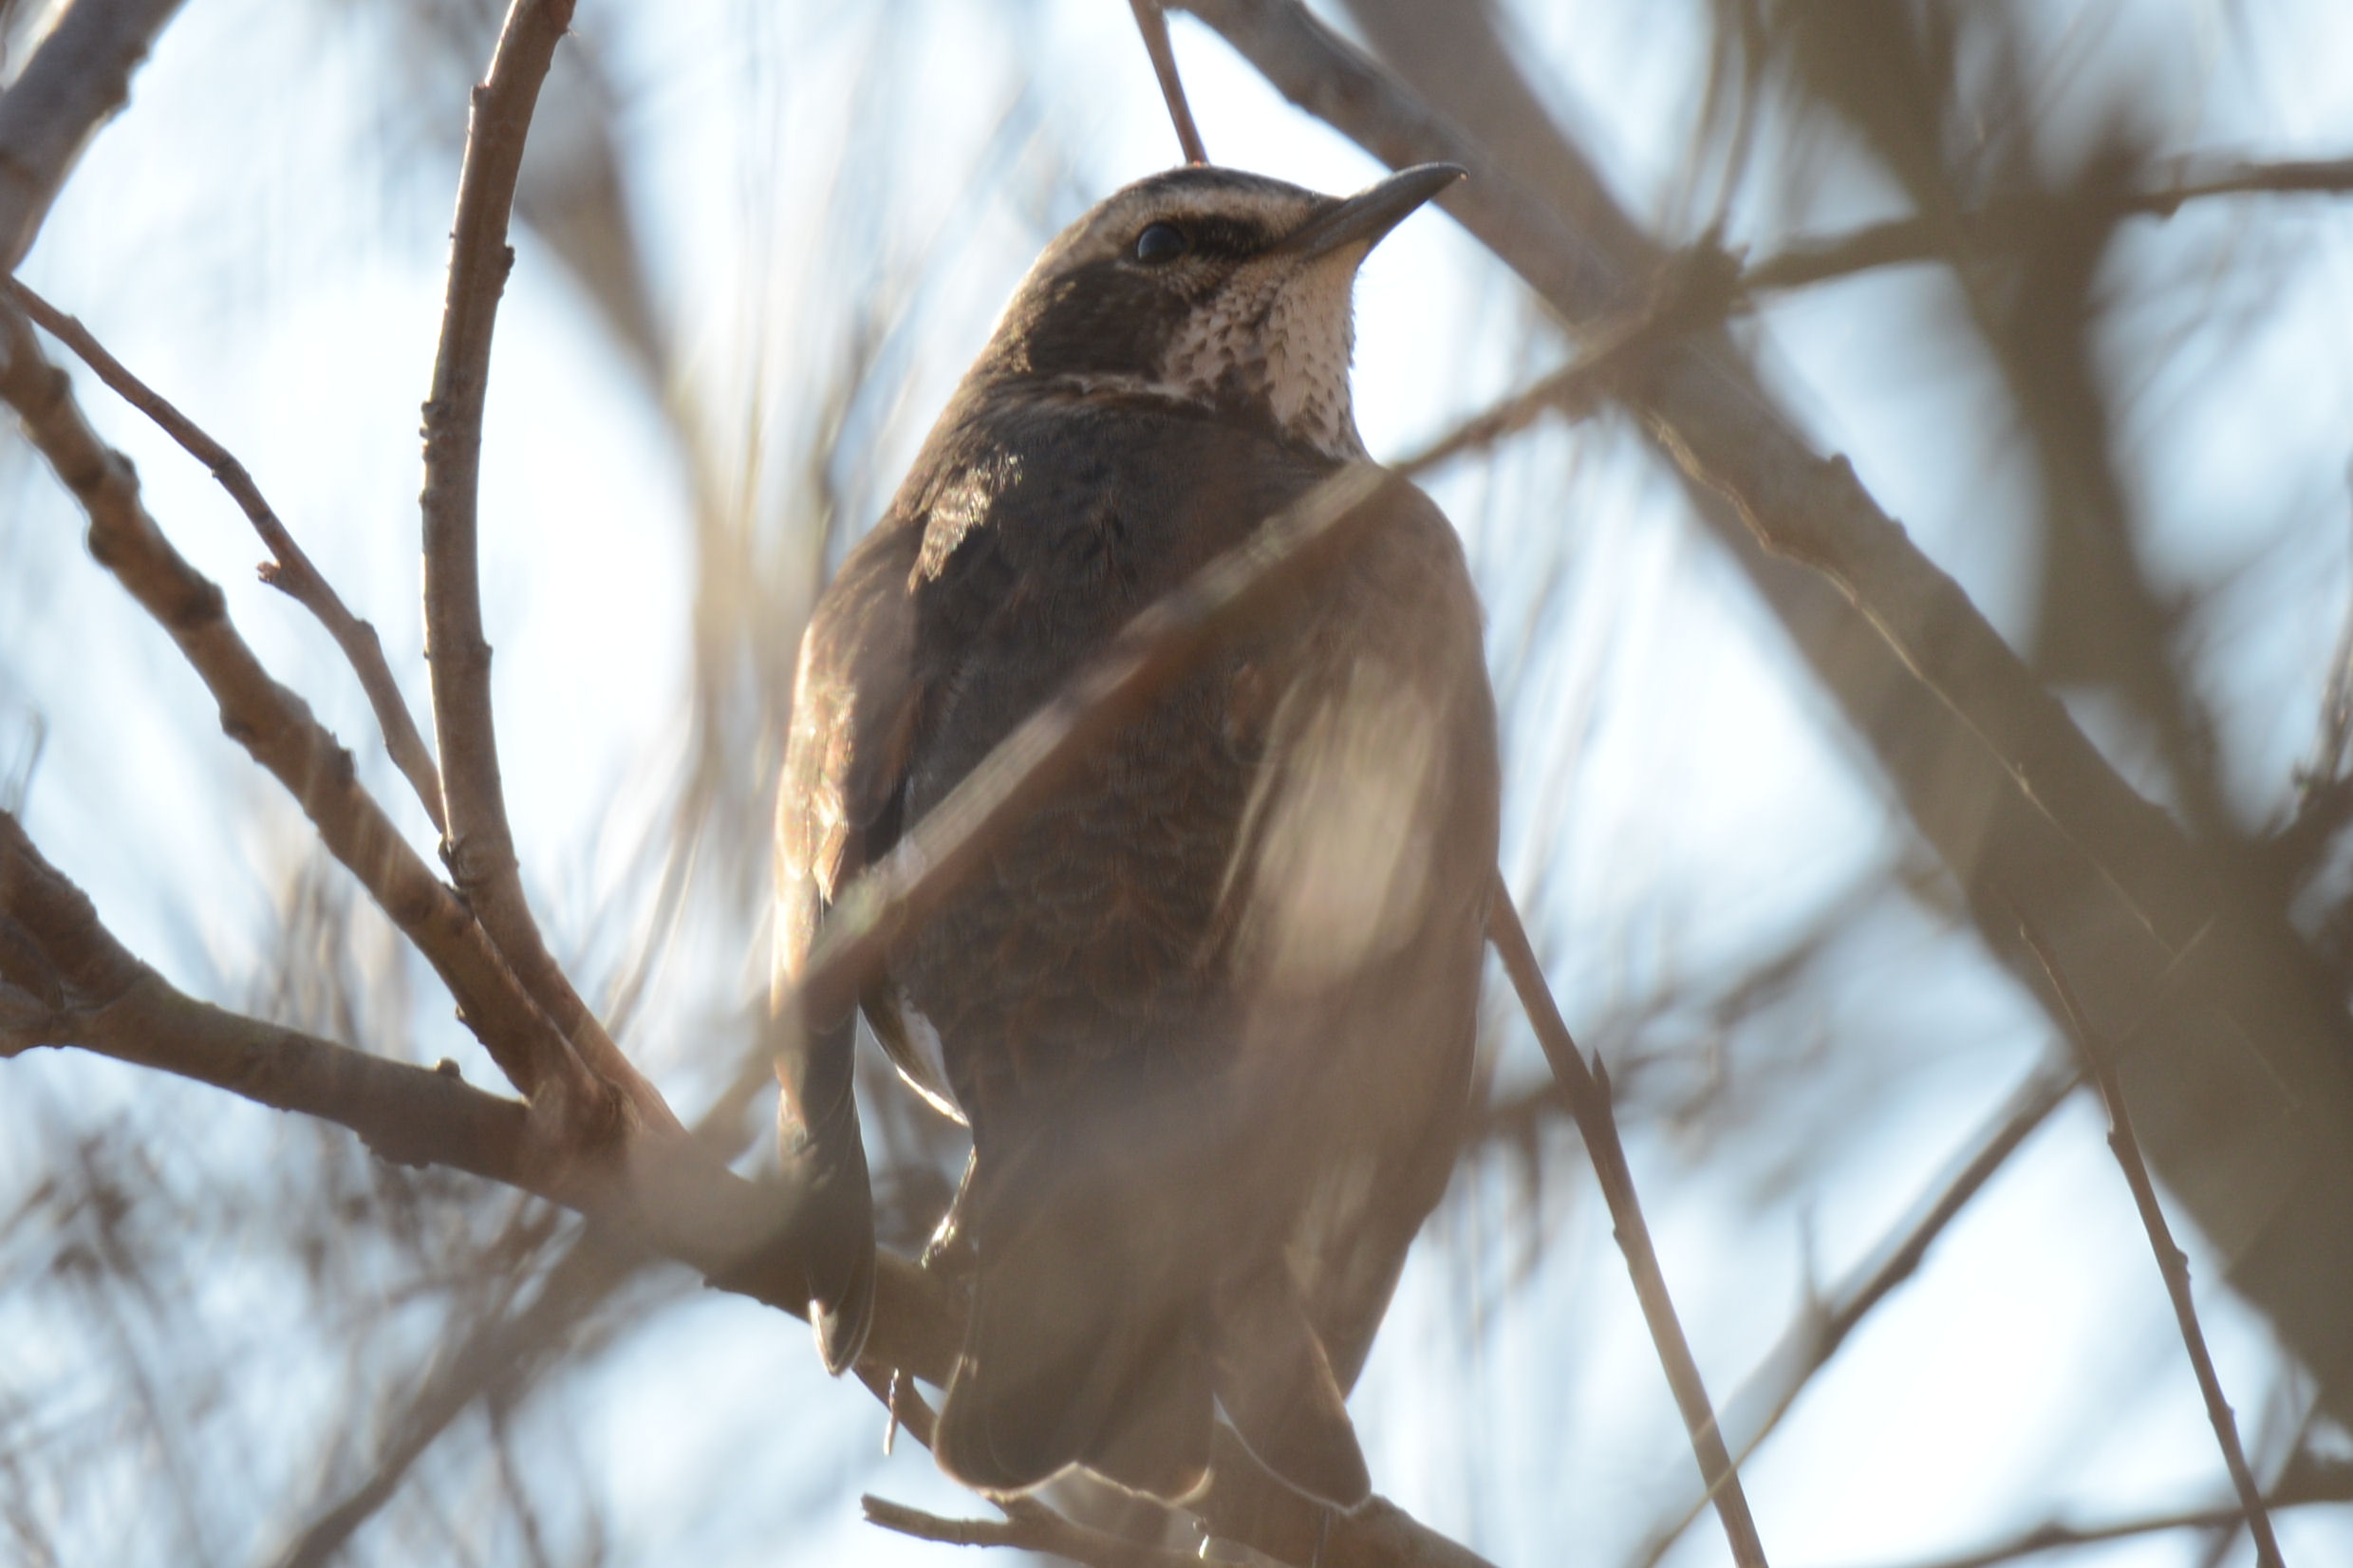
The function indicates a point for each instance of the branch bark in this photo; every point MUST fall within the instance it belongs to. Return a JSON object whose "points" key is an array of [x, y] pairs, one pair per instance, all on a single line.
{"points": [[479, 844], [1587, 1090], [2170, 1260], [79, 76], [290, 570]]}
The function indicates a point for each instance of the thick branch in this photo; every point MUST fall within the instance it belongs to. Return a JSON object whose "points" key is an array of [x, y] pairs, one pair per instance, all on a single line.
{"points": [[2170, 1260], [290, 570], [480, 845], [80, 75], [270, 722], [1587, 1091], [1992, 771]]}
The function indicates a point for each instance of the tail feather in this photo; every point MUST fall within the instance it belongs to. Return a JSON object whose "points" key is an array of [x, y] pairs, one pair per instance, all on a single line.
{"points": [[1276, 1386]]}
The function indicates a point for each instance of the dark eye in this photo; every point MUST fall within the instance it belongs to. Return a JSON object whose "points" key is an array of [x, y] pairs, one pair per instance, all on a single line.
{"points": [[1160, 242]]}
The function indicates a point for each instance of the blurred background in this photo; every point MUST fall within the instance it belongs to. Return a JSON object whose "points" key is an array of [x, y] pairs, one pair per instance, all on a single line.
{"points": [[757, 244]]}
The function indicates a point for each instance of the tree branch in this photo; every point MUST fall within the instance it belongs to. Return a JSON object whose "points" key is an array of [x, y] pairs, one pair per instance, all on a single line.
{"points": [[2170, 1262], [479, 844], [1992, 771], [1154, 24], [1028, 1526], [275, 725], [80, 75], [290, 570], [1588, 1094], [1806, 1346], [2324, 1483], [2006, 222]]}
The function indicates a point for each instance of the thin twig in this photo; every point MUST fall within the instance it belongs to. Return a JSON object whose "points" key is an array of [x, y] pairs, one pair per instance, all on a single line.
{"points": [[2170, 1262], [1153, 25], [1807, 1345], [290, 570], [2007, 221], [480, 845], [1587, 1091], [80, 75], [271, 722], [2326, 1483]]}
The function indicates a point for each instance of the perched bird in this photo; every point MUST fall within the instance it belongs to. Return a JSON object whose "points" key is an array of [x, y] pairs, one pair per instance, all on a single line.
{"points": [[1209, 1010]]}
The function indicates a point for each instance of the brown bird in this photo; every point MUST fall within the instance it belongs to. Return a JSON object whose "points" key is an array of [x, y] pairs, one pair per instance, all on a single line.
{"points": [[1208, 1012]]}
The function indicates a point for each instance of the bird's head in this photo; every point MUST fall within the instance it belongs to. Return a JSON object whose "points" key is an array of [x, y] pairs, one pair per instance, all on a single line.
{"points": [[1212, 287]]}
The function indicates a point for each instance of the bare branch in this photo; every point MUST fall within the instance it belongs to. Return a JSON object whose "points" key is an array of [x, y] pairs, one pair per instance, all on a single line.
{"points": [[275, 725], [290, 570], [2006, 222], [2170, 1258], [1806, 1346], [1992, 771], [1154, 24], [80, 75], [693, 1210], [2324, 1483], [1588, 1094], [479, 844], [1028, 1526]]}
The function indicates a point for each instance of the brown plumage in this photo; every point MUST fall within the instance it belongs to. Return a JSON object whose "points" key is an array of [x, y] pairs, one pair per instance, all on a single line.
{"points": [[1210, 1012]]}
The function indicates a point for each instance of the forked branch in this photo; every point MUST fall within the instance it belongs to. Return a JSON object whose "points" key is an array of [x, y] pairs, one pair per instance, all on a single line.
{"points": [[289, 571], [480, 843]]}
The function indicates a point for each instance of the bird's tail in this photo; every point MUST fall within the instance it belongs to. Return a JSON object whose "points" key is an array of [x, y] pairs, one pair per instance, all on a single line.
{"points": [[1093, 1343]]}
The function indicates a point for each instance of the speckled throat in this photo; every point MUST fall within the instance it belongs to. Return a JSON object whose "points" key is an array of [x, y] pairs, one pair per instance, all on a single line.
{"points": [[1279, 337]]}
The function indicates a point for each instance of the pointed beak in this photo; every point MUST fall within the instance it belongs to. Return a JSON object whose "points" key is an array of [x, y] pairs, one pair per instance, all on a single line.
{"points": [[1359, 222]]}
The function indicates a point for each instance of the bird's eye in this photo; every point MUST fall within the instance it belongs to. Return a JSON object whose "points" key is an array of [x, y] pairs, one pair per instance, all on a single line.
{"points": [[1160, 242]]}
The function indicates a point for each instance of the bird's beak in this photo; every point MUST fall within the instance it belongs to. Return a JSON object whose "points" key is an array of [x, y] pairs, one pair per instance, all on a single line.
{"points": [[1359, 222]]}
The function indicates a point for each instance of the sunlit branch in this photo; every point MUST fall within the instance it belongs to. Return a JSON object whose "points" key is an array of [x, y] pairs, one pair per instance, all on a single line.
{"points": [[2008, 222], [271, 722], [1808, 1344], [290, 570], [80, 75], [2170, 1258], [1153, 25], [1587, 1091], [480, 843]]}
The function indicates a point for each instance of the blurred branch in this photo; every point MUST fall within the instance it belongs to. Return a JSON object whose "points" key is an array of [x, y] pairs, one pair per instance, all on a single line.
{"points": [[1029, 1526], [2170, 1258], [2321, 1482], [273, 725], [1587, 1091], [1154, 24], [582, 1279], [290, 570], [1807, 1345], [2009, 222], [479, 844], [80, 75], [1993, 771]]}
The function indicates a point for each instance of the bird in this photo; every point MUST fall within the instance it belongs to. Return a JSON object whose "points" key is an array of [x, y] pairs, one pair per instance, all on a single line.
{"points": [[1210, 1011]]}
